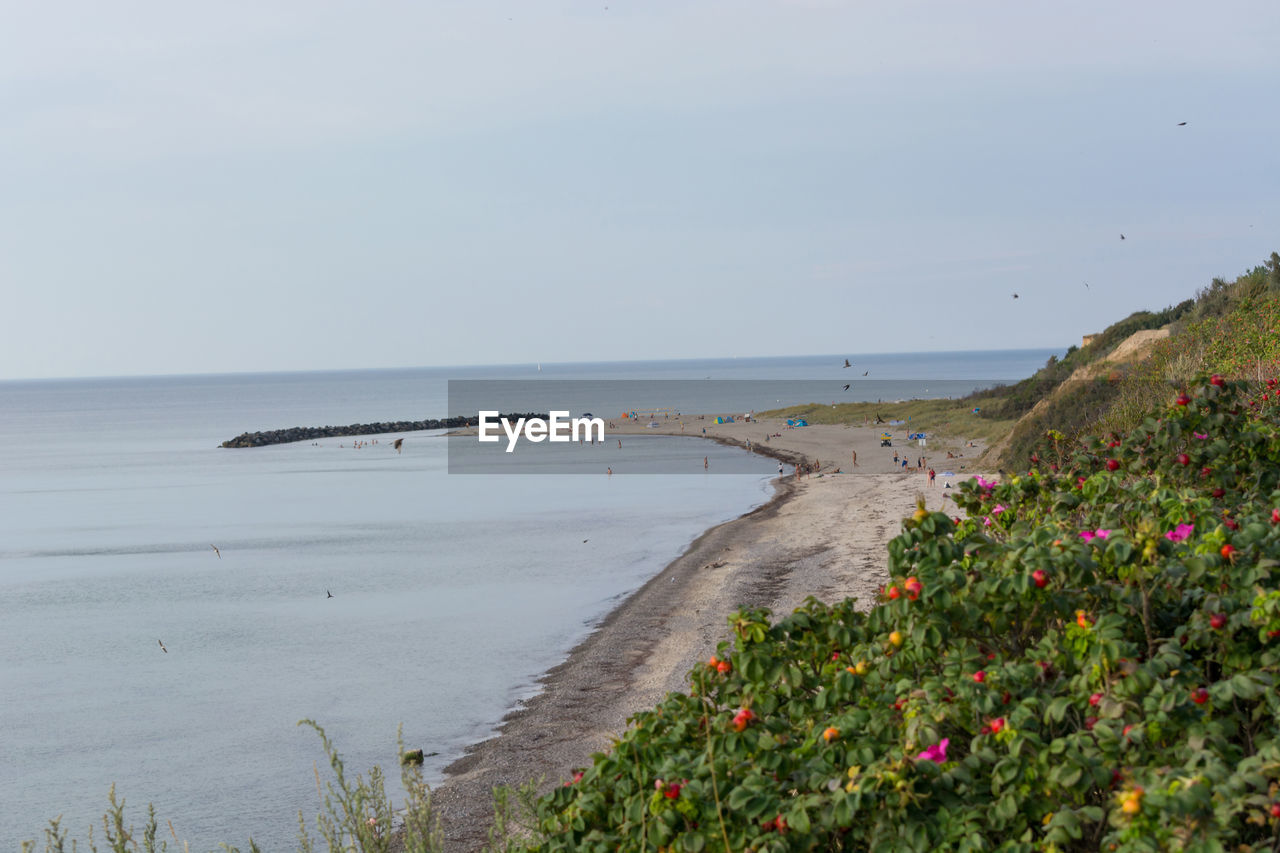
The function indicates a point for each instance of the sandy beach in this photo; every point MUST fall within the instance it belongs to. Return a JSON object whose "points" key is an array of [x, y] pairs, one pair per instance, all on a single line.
{"points": [[822, 535]]}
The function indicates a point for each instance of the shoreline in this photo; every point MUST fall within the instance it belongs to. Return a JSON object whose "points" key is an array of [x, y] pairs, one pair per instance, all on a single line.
{"points": [[585, 700], [823, 535]]}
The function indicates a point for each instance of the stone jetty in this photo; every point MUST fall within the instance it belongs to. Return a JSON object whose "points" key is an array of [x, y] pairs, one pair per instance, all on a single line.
{"points": [[285, 436]]}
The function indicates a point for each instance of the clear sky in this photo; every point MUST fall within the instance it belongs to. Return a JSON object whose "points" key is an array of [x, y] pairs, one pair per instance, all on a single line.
{"points": [[238, 186]]}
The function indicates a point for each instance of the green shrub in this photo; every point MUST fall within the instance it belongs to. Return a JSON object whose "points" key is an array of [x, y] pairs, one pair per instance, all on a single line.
{"points": [[1097, 647]]}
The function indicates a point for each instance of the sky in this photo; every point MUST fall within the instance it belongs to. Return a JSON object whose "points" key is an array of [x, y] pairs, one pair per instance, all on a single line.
{"points": [[261, 186]]}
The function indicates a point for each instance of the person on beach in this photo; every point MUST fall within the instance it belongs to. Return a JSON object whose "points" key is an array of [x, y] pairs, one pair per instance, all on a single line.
{"points": [[619, 444], [705, 463], [610, 472], [932, 475], [855, 456], [895, 457], [779, 469]]}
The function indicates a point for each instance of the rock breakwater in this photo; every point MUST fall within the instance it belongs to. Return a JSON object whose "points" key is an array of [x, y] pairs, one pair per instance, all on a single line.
{"points": [[292, 434]]}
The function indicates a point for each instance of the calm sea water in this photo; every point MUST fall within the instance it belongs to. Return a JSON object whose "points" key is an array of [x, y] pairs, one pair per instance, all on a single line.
{"points": [[450, 593]]}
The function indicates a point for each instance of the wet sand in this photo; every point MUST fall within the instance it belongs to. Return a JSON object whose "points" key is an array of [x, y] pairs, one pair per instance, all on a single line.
{"points": [[819, 535]]}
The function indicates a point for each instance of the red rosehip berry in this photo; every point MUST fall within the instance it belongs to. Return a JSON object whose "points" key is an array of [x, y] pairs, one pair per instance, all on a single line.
{"points": [[1219, 492], [1113, 464], [894, 593], [1040, 577], [1200, 695], [1218, 621], [1090, 722], [996, 725], [1275, 809], [1095, 699], [1216, 380], [1183, 459], [1275, 516], [1227, 551], [980, 676], [1182, 400]]}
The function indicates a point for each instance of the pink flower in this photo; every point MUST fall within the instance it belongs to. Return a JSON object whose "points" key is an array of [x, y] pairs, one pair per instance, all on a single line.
{"points": [[1102, 534], [984, 484], [1180, 533], [1201, 435], [936, 753], [1086, 535], [1090, 535], [986, 522], [999, 508]]}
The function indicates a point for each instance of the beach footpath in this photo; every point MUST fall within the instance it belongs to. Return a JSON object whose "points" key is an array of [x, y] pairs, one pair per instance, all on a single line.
{"points": [[824, 534]]}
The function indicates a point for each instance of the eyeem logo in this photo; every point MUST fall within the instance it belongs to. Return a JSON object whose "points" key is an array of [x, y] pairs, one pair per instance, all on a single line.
{"points": [[559, 428]]}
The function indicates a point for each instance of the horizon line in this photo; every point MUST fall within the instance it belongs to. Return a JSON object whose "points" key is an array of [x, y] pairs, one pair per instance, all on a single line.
{"points": [[316, 370]]}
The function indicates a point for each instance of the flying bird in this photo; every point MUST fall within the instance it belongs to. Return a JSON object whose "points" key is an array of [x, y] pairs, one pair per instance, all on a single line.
{"points": [[1182, 124], [584, 541], [1086, 284], [1015, 296], [397, 443], [216, 551], [330, 595], [865, 372], [847, 364], [1121, 236], [846, 387], [162, 648]]}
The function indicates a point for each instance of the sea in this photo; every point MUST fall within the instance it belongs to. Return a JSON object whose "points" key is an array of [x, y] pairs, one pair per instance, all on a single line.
{"points": [[171, 609]]}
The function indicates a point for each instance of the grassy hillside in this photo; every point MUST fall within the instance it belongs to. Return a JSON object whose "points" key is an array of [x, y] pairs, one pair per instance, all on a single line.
{"points": [[1230, 328]]}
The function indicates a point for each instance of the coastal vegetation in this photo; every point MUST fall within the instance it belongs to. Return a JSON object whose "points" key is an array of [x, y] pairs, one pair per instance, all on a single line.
{"points": [[1230, 328], [1085, 656]]}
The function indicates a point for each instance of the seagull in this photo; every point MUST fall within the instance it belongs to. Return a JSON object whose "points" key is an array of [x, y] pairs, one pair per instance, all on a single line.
{"points": [[162, 648], [1121, 236], [396, 444], [1086, 284], [865, 372], [584, 541], [330, 594], [846, 387], [1015, 296], [847, 364], [216, 551], [1182, 124]]}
